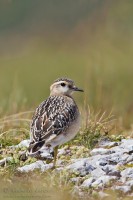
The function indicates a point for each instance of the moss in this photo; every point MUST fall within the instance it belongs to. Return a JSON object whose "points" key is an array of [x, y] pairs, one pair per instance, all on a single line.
{"points": [[87, 138], [8, 142], [128, 165], [117, 138], [95, 194]]}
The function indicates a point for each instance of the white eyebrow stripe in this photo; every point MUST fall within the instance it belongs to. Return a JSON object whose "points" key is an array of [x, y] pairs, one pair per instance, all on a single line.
{"points": [[57, 83]]}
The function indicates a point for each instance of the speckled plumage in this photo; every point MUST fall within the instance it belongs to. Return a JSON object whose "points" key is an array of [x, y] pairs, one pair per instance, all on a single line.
{"points": [[55, 121], [53, 116]]}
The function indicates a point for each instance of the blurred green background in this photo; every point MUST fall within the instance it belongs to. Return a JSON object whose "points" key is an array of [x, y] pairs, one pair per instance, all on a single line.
{"points": [[89, 41]]}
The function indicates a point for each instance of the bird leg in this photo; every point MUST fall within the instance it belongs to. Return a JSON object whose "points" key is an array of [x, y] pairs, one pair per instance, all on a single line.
{"points": [[55, 155]]}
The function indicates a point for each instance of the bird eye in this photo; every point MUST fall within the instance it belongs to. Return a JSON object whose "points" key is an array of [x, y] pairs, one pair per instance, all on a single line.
{"points": [[63, 84]]}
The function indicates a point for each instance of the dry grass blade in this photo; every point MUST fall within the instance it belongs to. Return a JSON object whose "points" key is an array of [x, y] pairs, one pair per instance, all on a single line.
{"points": [[15, 115], [13, 129], [13, 120], [96, 126], [102, 116]]}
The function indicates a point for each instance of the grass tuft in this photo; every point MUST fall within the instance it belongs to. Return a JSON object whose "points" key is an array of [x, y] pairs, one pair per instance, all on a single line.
{"points": [[94, 127]]}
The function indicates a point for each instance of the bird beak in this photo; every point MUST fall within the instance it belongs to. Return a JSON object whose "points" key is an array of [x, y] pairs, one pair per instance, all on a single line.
{"points": [[77, 89]]}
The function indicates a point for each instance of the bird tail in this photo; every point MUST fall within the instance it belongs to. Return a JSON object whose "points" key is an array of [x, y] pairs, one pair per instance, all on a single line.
{"points": [[34, 148]]}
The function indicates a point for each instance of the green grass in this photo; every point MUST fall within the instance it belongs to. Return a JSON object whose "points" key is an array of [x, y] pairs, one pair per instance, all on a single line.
{"points": [[101, 68]]}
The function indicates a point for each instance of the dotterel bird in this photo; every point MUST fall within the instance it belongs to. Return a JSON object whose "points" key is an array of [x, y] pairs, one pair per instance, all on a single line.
{"points": [[56, 120]]}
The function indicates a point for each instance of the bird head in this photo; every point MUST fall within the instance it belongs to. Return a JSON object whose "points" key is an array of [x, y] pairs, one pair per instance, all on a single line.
{"points": [[63, 86]]}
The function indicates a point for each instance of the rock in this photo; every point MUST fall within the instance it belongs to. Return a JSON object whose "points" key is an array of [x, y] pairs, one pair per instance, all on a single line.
{"points": [[61, 151], [130, 183], [127, 144], [24, 143], [105, 164], [110, 159], [5, 160], [31, 167], [111, 170], [102, 161], [75, 180], [123, 188], [46, 167], [115, 158], [77, 163], [103, 181], [88, 182], [46, 155], [82, 166], [127, 173], [96, 173], [129, 159], [130, 163], [118, 157], [36, 165], [101, 151], [108, 144]]}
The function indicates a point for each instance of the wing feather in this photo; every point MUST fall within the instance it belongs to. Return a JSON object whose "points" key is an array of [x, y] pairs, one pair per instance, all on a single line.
{"points": [[52, 117]]}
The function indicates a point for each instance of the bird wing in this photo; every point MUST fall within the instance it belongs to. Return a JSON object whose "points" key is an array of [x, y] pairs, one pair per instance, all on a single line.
{"points": [[52, 117]]}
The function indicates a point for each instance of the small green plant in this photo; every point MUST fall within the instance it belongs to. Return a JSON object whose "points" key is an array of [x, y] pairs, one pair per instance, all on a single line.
{"points": [[94, 126]]}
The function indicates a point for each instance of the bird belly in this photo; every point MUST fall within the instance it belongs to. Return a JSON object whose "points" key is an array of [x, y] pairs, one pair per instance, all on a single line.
{"points": [[68, 135]]}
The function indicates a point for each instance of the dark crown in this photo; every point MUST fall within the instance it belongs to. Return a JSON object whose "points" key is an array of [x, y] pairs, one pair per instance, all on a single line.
{"points": [[64, 79]]}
